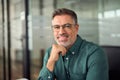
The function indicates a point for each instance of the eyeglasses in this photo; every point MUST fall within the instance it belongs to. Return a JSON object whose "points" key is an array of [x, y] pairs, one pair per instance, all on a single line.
{"points": [[64, 26]]}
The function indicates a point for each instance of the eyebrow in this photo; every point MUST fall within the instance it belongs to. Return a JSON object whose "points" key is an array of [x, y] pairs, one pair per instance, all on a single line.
{"points": [[62, 24]]}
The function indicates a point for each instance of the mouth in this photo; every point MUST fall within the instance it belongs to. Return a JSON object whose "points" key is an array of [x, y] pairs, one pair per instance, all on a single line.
{"points": [[62, 38]]}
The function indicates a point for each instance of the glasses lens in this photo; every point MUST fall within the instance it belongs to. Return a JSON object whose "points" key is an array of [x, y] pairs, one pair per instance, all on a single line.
{"points": [[67, 25]]}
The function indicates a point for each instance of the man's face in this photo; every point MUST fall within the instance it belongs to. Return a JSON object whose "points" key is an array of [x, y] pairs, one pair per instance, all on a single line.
{"points": [[65, 30]]}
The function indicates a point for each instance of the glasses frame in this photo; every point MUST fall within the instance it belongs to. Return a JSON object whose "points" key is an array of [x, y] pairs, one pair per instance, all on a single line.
{"points": [[66, 26]]}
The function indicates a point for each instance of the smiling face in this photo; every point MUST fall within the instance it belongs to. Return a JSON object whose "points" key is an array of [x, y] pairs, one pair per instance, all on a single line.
{"points": [[65, 30]]}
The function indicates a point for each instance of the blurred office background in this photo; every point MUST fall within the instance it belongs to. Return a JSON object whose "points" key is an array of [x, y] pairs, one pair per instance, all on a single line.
{"points": [[25, 33]]}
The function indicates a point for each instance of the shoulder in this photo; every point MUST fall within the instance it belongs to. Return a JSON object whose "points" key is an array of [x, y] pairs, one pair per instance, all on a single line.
{"points": [[91, 47]]}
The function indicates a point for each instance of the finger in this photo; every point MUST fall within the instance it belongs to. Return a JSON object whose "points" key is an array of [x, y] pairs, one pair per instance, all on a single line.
{"points": [[60, 52]]}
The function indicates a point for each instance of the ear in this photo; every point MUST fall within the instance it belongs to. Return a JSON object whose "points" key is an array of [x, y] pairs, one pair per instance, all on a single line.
{"points": [[77, 27]]}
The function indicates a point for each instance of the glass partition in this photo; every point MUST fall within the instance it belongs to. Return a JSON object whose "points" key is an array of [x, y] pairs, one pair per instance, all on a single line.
{"points": [[17, 10], [1, 52], [98, 21]]}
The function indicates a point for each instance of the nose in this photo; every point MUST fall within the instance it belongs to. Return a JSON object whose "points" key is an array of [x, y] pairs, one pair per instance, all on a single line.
{"points": [[62, 30]]}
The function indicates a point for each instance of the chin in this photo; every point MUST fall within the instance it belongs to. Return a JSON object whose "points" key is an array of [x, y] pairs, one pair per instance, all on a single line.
{"points": [[65, 44]]}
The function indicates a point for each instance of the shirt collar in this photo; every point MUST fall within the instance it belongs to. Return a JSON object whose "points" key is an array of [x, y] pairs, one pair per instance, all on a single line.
{"points": [[75, 47]]}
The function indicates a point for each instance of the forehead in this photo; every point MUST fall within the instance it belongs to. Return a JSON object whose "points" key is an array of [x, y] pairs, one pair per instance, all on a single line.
{"points": [[62, 19]]}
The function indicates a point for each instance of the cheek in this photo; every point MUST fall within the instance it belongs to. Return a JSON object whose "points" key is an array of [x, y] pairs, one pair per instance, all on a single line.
{"points": [[73, 32], [55, 34]]}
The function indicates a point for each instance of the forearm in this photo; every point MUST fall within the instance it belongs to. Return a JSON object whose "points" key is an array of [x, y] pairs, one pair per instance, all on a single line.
{"points": [[50, 65], [45, 74]]}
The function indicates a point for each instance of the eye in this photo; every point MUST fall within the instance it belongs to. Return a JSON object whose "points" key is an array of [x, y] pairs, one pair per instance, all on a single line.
{"points": [[56, 27], [67, 25]]}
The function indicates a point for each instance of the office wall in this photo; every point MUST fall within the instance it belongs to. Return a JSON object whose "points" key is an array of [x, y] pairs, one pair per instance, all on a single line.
{"points": [[110, 31], [109, 26]]}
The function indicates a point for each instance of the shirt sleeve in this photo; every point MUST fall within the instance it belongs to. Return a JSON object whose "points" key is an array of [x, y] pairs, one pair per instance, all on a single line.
{"points": [[97, 65], [45, 74]]}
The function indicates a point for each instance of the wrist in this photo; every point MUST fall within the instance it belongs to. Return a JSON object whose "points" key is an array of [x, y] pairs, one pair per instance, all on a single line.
{"points": [[50, 65]]}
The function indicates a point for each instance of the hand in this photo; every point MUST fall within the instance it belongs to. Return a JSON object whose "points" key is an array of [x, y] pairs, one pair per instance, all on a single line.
{"points": [[54, 55], [56, 51]]}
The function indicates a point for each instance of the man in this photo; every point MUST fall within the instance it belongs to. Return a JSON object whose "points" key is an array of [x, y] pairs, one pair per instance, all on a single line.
{"points": [[72, 58]]}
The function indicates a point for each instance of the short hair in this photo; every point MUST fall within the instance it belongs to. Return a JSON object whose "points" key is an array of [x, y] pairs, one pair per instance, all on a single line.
{"points": [[64, 11]]}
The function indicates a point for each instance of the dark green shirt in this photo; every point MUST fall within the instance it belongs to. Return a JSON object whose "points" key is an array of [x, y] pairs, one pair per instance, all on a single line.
{"points": [[83, 61]]}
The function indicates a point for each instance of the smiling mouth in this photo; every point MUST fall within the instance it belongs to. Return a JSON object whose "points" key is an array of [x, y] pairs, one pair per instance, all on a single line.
{"points": [[62, 37]]}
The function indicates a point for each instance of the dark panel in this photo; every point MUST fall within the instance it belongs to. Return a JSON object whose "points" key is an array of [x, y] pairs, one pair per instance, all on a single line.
{"points": [[113, 54]]}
